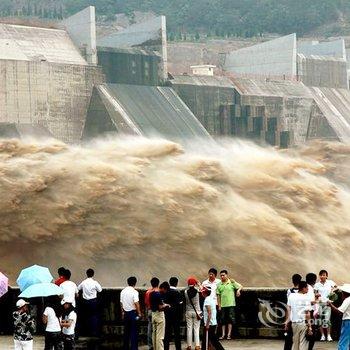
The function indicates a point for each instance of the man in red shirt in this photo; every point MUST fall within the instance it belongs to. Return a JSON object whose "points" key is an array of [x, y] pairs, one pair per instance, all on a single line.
{"points": [[154, 288], [61, 277]]}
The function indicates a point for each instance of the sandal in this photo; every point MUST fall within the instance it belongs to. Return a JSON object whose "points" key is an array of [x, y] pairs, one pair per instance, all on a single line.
{"points": [[222, 337], [228, 337]]}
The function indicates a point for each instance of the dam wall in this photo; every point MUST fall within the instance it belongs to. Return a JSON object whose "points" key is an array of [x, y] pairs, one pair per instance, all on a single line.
{"points": [[44, 80], [55, 96]]}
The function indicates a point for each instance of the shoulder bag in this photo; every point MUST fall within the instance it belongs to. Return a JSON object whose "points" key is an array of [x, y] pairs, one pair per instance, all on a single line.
{"points": [[198, 314]]}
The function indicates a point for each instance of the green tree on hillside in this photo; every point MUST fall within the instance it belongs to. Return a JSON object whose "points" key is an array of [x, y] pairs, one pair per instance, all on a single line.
{"points": [[222, 17]]}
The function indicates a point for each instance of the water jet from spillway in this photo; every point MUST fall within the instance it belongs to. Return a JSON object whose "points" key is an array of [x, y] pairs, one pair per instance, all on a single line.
{"points": [[145, 207]]}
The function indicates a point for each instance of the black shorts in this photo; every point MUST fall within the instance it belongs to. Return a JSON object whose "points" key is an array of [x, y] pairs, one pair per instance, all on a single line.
{"points": [[227, 315]]}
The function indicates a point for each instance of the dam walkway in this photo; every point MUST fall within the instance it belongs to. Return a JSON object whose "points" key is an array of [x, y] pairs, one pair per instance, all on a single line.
{"points": [[6, 343], [262, 344]]}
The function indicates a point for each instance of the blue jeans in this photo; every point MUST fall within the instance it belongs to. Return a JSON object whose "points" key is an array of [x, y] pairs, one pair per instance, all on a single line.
{"points": [[344, 340], [130, 330]]}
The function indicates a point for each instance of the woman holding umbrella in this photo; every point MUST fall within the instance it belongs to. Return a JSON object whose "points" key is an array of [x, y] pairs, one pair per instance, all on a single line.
{"points": [[51, 318]]}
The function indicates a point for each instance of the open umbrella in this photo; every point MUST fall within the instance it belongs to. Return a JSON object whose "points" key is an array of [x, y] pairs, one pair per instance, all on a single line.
{"points": [[4, 284], [41, 290], [33, 275]]}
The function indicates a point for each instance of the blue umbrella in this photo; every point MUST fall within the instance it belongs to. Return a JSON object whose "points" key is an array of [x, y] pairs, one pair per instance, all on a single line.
{"points": [[42, 290], [33, 275]]}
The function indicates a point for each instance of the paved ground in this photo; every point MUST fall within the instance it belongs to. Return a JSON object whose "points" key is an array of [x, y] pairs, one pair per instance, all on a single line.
{"points": [[269, 345], [6, 343]]}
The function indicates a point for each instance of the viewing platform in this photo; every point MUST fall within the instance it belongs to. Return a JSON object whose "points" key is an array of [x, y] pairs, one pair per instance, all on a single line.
{"points": [[6, 343], [258, 324]]}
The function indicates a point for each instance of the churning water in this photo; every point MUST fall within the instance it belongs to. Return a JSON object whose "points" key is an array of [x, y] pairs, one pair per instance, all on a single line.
{"points": [[146, 207]]}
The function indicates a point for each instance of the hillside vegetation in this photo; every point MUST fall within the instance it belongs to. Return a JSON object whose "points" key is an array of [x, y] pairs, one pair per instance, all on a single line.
{"points": [[244, 18], [230, 17]]}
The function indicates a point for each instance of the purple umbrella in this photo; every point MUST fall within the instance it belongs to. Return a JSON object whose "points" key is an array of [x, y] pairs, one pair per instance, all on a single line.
{"points": [[4, 284]]}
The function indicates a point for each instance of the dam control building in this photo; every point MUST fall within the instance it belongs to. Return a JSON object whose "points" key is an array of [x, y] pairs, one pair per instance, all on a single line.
{"points": [[67, 83]]}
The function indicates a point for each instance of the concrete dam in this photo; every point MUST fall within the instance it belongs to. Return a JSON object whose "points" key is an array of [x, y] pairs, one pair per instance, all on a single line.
{"points": [[192, 152], [111, 159]]}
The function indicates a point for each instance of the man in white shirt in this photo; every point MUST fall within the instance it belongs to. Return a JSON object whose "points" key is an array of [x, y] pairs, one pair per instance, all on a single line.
{"points": [[288, 341], [130, 307], [90, 288], [70, 288], [324, 288], [344, 308], [298, 313], [212, 283]]}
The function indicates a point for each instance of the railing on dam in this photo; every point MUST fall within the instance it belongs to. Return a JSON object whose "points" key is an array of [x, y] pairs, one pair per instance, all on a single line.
{"points": [[259, 313]]}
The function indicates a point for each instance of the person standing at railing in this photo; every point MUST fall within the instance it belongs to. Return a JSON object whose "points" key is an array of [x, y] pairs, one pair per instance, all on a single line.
{"points": [[130, 307], [212, 282], [154, 288], [193, 313], [158, 318], [90, 287], [325, 287], [227, 290], [173, 315], [69, 287]]}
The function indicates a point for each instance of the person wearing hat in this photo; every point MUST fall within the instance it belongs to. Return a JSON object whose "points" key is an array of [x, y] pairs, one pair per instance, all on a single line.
{"points": [[209, 318], [193, 313], [68, 322], [344, 309], [24, 326]]}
